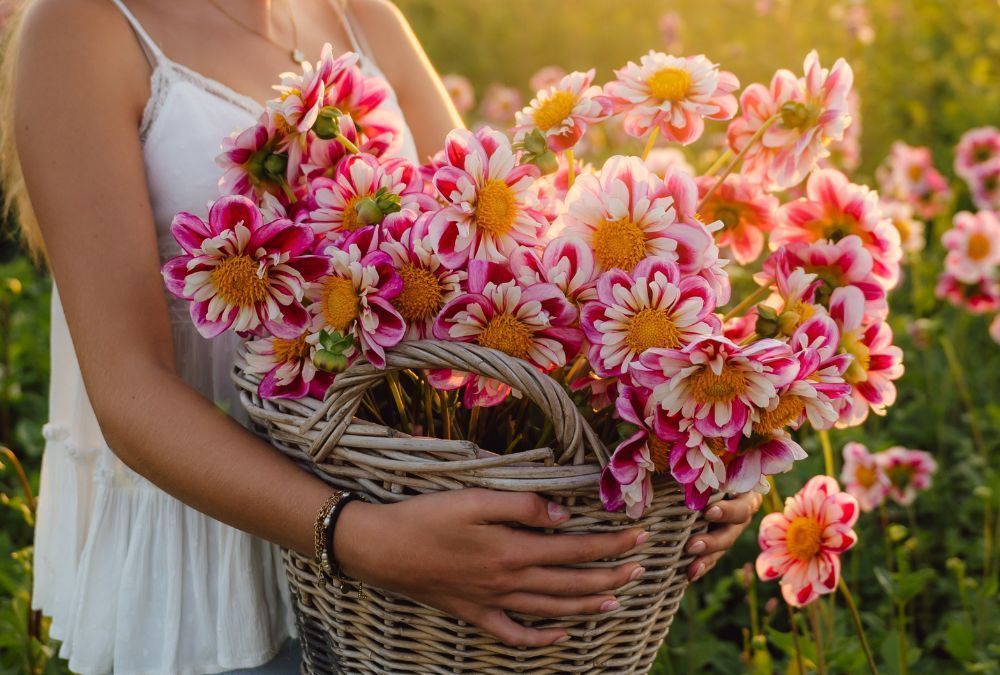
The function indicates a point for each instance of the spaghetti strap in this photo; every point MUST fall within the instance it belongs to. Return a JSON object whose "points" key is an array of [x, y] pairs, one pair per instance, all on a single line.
{"points": [[358, 42], [153, 52]]}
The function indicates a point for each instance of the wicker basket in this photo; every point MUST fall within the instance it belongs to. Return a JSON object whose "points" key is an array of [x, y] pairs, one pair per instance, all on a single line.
{"points": [[387, 633]]}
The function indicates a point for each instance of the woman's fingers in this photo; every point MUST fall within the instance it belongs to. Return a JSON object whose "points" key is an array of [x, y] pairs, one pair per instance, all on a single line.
{"points": [[551, 606], [526, 508], [510, 632], [530, 549], [737, 510], [732, 516], [566, 581], [703, 565]]}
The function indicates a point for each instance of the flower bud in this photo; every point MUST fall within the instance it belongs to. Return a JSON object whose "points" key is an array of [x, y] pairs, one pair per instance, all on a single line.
{"points": [[759, 642], [329, 362], [955, 564], [767, 325], [13, 285], [368, 211], [983, 492], [796, 115], [788, 322], [535, 143], [546, 162], [771, 606], [275, 165], [327, 124], [897, 532]]}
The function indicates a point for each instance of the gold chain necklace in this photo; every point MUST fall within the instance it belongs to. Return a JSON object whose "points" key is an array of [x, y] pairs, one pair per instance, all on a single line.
{"points": [[293, 52]]}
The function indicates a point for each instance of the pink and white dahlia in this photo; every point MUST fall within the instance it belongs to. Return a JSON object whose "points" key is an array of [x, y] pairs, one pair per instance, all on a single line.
{"points": [[363, 99], [802, 544], [489, 211], [355, 300], [363, 192], [653, 307], [748, 460], [662, 161], [697, 463], [252, 164], [819, 386], [565, 261], [877, 362], [985, 185], [908, 175], [301, 96], [835, 208], [287, 367], [812, 111], [563, 111], [911, 230], [715, 382], [242, 273], [673, 94], [908, 471], [460, 91], [627, 479], [863, 476], [535, 324], [549, 191], [973, 245], [746, 212], [975, 148], [981, 297], [322, 156], [500, 103], [845, 154]]}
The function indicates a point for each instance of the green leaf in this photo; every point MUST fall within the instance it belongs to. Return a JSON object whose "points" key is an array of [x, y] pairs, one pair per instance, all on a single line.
{"points": [[958, 639]]}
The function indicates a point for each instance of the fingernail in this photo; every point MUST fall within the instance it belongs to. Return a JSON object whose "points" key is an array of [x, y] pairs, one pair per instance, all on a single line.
{"points": [[642, 538], [561, 640], [558, 513], [696, 571], [697, 546], [636, 573], [610, 605], [714, 513]]}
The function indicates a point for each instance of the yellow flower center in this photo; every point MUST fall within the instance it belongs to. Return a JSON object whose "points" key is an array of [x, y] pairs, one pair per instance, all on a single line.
{"points": [[915, 172], [659, 453], [651, 328], [295, 349], [554, 110], [507, 334], [707, 387], [804, 538], [979, 246], [351, 220], [904, 228], [787, 411], [670, 84], [496, 207], [421, 296], [619, 243], [858, 370], [865, 476], [237, 282], [341, 304], [717, 446]]}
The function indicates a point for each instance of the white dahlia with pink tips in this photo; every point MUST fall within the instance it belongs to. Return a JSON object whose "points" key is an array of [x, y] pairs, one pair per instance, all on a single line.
{"points": [[863, 476], [973, 245], [563, 111], [908, 471]]}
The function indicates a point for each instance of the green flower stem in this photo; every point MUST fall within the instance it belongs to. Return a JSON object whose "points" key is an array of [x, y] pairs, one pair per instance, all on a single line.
{"points": [[901, 625], [649, 144], [350, 147], [849, 599], [817, 638], [445, 412], [824, 441], [759, 294], [397, 396], [570, 168], [29, 497], [717, 164], [957, 374], [739, 158], [795, 640]]}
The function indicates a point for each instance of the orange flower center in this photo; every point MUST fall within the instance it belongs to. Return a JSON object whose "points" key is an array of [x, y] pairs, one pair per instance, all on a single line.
{"points": [[507, 334], [707, 387], [295, 349], [352, 221], [619, 243], [865, 476], [651, 328], [804, 538], [905, 228], [858, 370], [238, 283], [341, 304], [496, 207], [554, 110], [915, 172], [787, 411], [659, 453], [670, 84], [421, 295], [729, 214], [979, 246]]}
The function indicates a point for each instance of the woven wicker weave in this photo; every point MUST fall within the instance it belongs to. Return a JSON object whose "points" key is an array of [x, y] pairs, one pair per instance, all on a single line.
{"points": [[387, 633]]}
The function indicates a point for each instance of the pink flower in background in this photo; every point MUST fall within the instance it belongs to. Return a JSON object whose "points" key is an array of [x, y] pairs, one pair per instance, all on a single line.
{"points": [[877, 362], [908, 471], [845, 154], [566, 262], [287, 366], [242, 273], [500, 103], [973, 245], [668, 160], [802, 545], [813, 112], [545, 77], [908, 175], [653, 307], [911, 230], [835, 208], [671, 26], [355, 300], [563, 111], [461, 92], [985, 185], [863, 476], [981, 297], [487, 193], [746, 212], [716, 383], [975, 148], [674, 94], [995, 329]]}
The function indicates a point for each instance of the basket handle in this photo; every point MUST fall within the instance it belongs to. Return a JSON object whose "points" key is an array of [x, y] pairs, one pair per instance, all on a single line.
{"points": [[344, 396]]}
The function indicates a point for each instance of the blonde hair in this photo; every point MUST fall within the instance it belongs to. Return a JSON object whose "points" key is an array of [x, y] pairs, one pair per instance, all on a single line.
{"points": [[16, 206]]}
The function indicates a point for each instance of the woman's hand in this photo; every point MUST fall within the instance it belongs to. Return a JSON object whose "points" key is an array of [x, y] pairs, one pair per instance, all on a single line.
{"points": [[453, 550], [731, 518]]}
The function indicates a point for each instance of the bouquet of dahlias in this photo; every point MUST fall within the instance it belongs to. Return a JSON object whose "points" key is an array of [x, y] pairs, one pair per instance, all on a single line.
{"points": [[328, 248]]}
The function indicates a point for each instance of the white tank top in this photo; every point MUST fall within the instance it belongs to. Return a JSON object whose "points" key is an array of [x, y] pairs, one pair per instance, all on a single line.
{"points": [[134, 580]]}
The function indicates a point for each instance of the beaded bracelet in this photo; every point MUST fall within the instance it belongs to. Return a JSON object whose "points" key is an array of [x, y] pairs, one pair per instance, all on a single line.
{"points": [[321, 530]]}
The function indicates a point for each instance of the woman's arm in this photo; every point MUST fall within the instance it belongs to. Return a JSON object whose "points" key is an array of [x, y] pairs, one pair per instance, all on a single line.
{"points": [[422, 96], [81, 87]]}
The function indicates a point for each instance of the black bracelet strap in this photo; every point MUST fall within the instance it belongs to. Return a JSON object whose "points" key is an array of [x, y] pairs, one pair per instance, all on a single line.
{"points": [[331, 520]]}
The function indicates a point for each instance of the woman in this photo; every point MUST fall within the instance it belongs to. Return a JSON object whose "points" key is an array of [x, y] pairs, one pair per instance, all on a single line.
{"points": [[158, 556]]}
